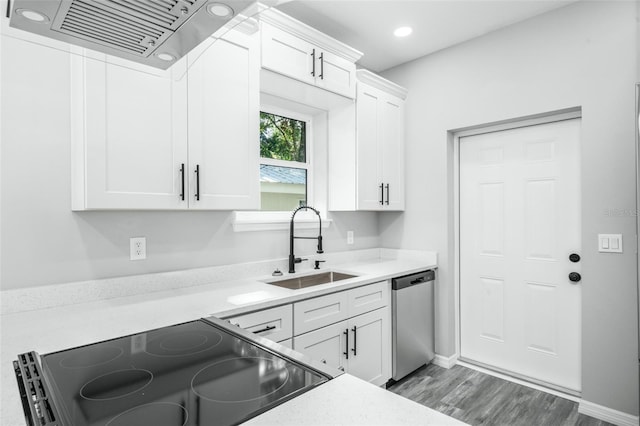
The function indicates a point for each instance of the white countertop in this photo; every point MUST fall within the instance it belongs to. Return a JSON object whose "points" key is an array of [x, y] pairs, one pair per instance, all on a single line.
{"points": [[49, 330], [347, 400]]}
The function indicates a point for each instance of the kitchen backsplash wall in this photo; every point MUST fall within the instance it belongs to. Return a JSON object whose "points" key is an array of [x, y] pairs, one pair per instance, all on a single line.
{"points": [[43, 242], [582, 55]]}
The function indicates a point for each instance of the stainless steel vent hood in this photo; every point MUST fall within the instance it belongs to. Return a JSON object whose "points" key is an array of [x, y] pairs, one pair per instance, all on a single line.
{"points": [[151, 32]]}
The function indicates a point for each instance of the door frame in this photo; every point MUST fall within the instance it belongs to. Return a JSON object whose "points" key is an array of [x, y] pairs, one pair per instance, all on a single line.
{"points": [[455, 135]]}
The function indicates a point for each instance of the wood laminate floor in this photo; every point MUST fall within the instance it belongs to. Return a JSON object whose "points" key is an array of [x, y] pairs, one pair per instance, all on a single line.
{"points": [[480, 399]]}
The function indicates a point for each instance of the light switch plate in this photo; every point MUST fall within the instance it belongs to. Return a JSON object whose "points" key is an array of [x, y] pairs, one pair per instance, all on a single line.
{"points": [[610, 243]]}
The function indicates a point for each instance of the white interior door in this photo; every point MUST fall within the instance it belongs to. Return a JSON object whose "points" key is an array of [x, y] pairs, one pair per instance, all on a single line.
{"points": [[519, 222]]}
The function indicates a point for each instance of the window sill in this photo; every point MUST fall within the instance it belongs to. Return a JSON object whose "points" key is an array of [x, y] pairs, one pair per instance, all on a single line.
{"points": [[272, 221]]}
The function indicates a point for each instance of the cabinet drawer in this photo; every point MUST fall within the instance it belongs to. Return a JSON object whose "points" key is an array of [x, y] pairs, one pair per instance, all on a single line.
{"points": [[368, 298], [275, 324], [318, 312]]}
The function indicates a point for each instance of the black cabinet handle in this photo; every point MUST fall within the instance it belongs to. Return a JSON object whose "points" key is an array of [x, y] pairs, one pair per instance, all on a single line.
{"points": [[197, 182], [322, 66], [574, 277], [355, 337], [574, 257], [382, 194], [267, 328], [313, 63], [182, 179], [346, 353], [387, 194]]}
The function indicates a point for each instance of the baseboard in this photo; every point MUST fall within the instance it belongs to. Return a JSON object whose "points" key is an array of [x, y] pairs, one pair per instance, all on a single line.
{"points": [[607, 414], [445, 362]]}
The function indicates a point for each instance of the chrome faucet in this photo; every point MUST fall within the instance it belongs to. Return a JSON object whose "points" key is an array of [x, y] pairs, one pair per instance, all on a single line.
{"points": [[292, 258]]}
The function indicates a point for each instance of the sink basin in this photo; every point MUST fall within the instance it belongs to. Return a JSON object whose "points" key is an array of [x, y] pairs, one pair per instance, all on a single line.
{"points": [[311, 280]]}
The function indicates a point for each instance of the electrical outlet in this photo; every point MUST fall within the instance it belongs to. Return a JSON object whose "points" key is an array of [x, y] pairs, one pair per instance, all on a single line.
{"points": [[138, 248], [349, 237]]}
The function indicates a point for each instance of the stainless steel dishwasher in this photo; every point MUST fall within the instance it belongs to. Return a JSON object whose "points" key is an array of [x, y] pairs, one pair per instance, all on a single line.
{"points": [[412, 322]]}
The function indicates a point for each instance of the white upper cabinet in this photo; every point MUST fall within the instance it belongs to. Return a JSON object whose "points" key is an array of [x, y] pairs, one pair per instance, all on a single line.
{"points": [[224, 110], [142, 133], [375, 162], [129, 134], [296, 50]]}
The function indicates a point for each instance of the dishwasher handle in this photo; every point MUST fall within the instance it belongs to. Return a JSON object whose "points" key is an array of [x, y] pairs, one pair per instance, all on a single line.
{"points": [[413, 279]]}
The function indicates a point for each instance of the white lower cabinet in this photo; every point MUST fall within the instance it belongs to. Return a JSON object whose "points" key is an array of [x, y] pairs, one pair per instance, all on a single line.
{"points": [[359, 346], [349, 330], [361, 343]]}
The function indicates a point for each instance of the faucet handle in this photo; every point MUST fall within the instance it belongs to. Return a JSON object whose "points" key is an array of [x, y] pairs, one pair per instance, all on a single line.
{"points": [[298, 260], [317, 262]]}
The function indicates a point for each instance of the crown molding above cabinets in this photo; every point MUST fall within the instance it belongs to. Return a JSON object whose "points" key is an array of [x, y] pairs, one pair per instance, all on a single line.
{"points": [[368, 172]]}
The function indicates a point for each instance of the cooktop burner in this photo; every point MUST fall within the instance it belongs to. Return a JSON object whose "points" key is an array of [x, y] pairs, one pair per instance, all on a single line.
{"points": [[154, 413], [91, 357], [116, 384], [196, 373], [275, 370], [183, 343]]}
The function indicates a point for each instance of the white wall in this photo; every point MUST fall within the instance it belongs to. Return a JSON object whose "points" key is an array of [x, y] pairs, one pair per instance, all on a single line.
{"points": [[583, 55], [43, 242]]}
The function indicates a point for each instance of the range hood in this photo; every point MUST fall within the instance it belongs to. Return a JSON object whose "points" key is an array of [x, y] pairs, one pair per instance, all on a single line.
{"points": [[151, 32]]}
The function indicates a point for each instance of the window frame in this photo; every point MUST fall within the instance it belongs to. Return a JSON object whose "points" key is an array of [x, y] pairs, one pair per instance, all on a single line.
{"points": [[269, 220], [308, 165]]}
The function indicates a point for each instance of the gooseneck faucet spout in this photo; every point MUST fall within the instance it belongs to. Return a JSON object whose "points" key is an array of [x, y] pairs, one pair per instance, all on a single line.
{"points": [[292, 258]]}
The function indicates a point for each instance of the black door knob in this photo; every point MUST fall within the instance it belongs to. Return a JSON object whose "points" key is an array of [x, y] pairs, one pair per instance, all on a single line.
{"points": [[574, 277], [574, 257]]}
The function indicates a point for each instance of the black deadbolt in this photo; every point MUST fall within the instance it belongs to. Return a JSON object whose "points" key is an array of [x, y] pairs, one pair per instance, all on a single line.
{"points": [[574, 277], [574, 257]]}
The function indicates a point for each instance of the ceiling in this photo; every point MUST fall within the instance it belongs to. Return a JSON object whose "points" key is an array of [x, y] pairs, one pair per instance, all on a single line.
{"points": [[368, 25]]}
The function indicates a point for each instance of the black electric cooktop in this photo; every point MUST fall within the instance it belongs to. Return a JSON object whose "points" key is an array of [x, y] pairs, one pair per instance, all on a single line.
{"points": [[196, 373]]}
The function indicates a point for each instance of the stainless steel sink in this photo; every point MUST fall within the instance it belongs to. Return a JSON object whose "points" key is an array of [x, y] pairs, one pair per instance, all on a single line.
{"points": [[311, 280]]}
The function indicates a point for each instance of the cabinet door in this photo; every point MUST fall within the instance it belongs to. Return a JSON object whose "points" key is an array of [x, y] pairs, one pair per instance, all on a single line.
{"points": [[368, 160], [370, 346], [391, 146], [132, 138], [335, 74], [289, 55], [327, 344], [223, 125]]}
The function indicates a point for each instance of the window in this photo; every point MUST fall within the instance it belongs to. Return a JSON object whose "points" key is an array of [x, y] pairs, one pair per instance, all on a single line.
{"points": [[285, 170]]}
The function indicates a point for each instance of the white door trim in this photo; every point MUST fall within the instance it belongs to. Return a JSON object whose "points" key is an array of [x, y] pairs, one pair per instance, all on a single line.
{"points": [[457, 134]]}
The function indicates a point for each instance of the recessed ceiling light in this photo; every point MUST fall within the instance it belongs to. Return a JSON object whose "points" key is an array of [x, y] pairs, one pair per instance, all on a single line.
{"points": [[33, 15], [165, 56], [402, 31], [219, 10]]}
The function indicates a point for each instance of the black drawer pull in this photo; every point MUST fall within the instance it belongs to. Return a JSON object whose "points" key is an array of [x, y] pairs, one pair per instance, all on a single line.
{"points": [[267, 328]]}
